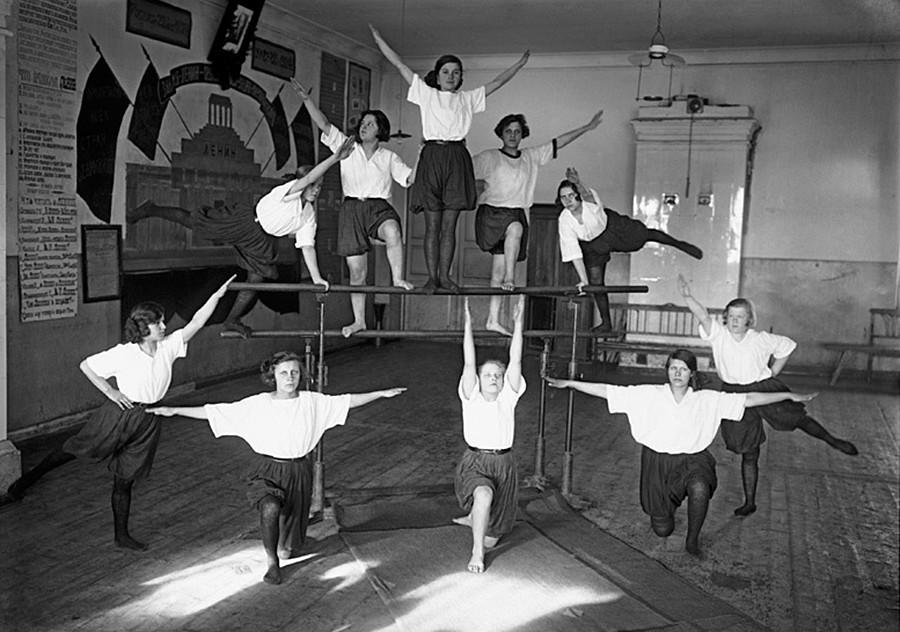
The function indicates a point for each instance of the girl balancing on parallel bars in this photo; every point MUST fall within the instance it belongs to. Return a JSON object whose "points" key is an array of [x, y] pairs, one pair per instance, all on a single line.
{"points": [[366, 214], [445, 181], [589, 233]]}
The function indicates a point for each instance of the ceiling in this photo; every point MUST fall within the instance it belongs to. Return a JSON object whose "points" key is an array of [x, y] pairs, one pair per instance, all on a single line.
{"points": [[486, 27]]}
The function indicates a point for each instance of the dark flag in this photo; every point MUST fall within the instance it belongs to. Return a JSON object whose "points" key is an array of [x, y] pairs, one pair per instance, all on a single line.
{"points": [[301, 128], [280, 136], [147, 116], [103, 105]]}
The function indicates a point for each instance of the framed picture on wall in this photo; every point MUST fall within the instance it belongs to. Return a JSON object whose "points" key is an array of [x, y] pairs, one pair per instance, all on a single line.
{"points": [[358, 81], [101, 262]]}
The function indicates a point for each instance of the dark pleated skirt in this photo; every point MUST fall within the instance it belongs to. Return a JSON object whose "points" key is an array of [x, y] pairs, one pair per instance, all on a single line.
{"points": [[126, 439]]}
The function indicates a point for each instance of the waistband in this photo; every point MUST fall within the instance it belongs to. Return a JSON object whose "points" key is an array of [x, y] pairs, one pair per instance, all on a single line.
{"points": [[281, 460], [350, 198], [486, 451], [446, 142]]}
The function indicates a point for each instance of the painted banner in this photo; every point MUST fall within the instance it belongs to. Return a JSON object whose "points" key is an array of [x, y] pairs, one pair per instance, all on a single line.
{"points": [[148, 113], [103, 106]]}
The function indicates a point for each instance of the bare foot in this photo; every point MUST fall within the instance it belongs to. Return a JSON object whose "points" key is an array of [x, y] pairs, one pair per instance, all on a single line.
{"points": [[745, 510], [508, 285], [449, 285], [127, 542], [406, 285], [352, 328], [493, 325], [273, 575], [237, 326], [490, 542], [465, 521], [476, 564]]}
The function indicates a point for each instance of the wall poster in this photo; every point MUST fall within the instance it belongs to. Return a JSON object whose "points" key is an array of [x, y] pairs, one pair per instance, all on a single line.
{"points": [[48, 226], [101, 260]]}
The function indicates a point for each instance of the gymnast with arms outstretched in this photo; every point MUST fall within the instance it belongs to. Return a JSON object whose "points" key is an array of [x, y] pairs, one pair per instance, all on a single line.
{"points": [[281, 427], [486, 480], [507, 177], [750, 360], [445, 180], [367, 175], [123, 431], [676, 423], [589, 233]]}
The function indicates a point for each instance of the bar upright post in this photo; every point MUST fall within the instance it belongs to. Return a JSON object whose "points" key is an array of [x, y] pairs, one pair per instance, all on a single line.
{"points": [[542, 412], [317, 506], [570, 410]]}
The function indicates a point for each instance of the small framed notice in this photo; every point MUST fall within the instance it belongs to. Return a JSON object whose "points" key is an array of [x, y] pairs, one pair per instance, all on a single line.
{"points": [[101, 258]]}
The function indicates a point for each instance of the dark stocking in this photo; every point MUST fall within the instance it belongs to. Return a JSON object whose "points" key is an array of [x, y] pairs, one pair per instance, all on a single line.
{"points": [[667, 240], [597, 276], [432, 251], [814, 429], [147, 209], [241, 306], [53, 460], [269, 512], [749, 476], [698, 503], [121, 507], [447, 249]]}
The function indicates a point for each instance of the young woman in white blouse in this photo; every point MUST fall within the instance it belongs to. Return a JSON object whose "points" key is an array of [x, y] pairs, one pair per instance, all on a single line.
{"points": [[676, 424]]}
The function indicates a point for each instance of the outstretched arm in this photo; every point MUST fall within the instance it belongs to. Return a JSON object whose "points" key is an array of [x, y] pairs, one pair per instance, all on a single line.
{"points": [[470, 371], [361, 399], [586, 195], [391, 56], [694, 305], [595, 389], [568, 137], [203, 314], [319, 170], [314, 112], [761, 399], [501, 80], [194, 412], [514, 368]]}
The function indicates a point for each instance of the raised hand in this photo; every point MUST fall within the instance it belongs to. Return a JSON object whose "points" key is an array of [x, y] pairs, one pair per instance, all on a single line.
{"points": [[595, 120], [572, 175], [556, 382], [683, 288], [221, 291], [299, 89], [393, 392], [347, 148]]}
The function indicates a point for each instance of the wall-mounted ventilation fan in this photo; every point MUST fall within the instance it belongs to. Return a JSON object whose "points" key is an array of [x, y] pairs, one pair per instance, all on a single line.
{"points": [[659, 52]]}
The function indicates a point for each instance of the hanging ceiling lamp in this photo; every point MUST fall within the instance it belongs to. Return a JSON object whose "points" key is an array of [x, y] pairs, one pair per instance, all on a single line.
{"points": [[659, 52], [400, 134]]}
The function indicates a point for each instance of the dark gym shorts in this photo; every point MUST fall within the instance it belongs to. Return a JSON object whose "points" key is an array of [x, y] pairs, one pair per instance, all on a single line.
{"points": [[748, 433], [358, 224], [445, 178], [622, 234], [491, 223], [665, 479]]}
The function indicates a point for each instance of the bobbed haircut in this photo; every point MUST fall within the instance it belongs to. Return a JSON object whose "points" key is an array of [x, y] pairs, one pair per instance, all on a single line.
{"points": [[688, 357], [268, 366], [381, 119], [431, 77], [509, 119], [746, 304], [563, 185], [142, 315]]}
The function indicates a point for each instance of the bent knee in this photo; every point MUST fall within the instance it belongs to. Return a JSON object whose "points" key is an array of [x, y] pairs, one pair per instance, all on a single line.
{"points": [[483, 493], [663, 527], [514, 230]]}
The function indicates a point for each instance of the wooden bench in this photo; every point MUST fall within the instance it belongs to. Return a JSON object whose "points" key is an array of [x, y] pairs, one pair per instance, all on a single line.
{"points": [[652, 329], [883, 336]]}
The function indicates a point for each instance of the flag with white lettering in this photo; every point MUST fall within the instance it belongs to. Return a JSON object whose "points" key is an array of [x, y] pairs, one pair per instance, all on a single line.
{"points": [[103, 105]]}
